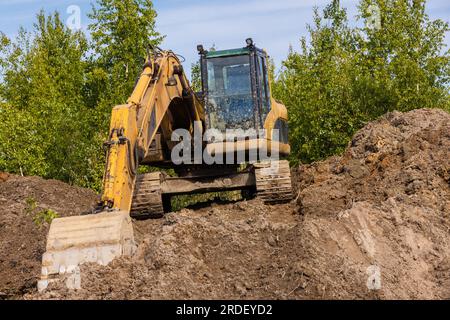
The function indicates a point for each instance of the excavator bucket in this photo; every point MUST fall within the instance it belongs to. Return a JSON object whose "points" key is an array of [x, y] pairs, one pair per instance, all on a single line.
{"points": [[72, 241]]}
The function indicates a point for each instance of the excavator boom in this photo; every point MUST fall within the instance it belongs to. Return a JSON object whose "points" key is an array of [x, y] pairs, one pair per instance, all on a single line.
{"points": [[135, 125]]}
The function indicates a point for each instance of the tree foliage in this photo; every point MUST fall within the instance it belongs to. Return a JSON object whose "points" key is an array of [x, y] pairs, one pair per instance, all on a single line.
{"points": [[57, 90], [122, 32], [345, 76], [45, 125], [196, 77]]}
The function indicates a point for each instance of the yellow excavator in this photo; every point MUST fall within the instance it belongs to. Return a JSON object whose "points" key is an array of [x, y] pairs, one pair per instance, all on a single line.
{"points": [[230, 136]]}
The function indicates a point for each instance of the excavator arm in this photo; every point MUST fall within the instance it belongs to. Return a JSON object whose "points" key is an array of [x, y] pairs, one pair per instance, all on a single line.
{"points": [[162, 94], [135, 124]]}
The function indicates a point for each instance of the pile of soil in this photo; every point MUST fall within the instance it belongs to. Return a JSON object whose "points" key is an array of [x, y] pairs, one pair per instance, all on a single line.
{"points": [[224, 251], [373, 223], [384, 206], [23, 240]]}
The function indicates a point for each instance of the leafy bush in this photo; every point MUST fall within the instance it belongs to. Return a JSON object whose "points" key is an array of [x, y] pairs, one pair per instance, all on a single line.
{"points": [[31, 205], [44, 217], [41, 217]]}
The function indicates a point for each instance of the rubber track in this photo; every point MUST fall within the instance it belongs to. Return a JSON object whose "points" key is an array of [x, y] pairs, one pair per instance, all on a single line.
{"points": [[147, 198], [273, 183]]}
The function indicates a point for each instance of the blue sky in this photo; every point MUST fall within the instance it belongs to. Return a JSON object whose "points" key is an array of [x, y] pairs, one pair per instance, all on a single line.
{"points": [[273, 24]]}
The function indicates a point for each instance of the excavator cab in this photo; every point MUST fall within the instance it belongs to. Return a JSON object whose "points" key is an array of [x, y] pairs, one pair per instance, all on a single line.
{"points": [[235, 87]]}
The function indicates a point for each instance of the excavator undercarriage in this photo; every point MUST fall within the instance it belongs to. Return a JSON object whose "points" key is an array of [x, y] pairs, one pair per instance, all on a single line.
{"points": [[271, 182], [235, 95]]}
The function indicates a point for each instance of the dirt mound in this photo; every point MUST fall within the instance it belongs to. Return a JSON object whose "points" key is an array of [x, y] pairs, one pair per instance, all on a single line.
{"points": [[373, 223], [384, 206], [401, 156], [24, 204], [243, 251], [227, 251]]}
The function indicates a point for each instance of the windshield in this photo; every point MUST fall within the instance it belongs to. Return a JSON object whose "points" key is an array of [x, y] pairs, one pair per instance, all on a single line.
{"points": [[230, 102]]}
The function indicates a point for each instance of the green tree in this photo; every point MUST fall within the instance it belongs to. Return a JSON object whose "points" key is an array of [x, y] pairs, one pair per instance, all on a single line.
{"points": [[344, 76], [122, 32], [57, 91], [314, 86], [196, 77], [45, 115], [403, 61]]}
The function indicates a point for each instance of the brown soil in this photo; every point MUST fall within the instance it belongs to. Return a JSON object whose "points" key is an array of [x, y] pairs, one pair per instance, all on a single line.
{"points": [[382, 208], [22, 240], [386, 203]]}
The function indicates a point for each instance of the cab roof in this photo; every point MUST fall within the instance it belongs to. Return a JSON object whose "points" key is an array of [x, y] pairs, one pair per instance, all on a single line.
{"points": [[228, 52]]}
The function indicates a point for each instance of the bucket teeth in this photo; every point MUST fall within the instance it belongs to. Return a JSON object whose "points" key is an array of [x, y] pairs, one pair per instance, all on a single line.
{"points": [[72, 241]]}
